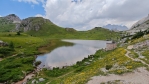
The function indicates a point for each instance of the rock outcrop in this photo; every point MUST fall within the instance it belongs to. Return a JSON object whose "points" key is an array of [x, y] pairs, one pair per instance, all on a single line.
{"points": [[142, 25], [9, 23], [12, 17], [31, 23]]}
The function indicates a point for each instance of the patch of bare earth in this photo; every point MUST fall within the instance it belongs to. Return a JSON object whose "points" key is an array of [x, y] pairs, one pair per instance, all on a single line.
{"points": [[24, 81], [0, 59], [138, 76]]}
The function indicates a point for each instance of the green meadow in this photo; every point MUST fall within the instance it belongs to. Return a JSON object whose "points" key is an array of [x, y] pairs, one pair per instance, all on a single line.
{"points": [[19, 61]]}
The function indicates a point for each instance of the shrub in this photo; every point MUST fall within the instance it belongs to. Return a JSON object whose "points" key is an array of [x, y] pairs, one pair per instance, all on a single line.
{"points": [[37, 63], [18, 33], [11, 45], [79, 69], [56, 72], [28, 60], [138, 35], [4, 51], [108, 67]]}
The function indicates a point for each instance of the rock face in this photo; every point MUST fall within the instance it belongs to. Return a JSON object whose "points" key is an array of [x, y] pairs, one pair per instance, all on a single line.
{"points": [[115, 27], [31, 23], [9, 23], [13, 18], [142, 25], [70, 29]]}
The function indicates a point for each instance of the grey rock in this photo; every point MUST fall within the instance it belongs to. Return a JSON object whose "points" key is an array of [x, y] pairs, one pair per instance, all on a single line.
{"points": [[41, 79], [87, 63], [142, 25], [33, 82], [14, 18]]}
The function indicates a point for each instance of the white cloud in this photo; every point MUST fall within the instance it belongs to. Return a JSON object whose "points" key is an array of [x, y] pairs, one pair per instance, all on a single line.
{"points": [[31, 1], [0, 16], [39, 15], [85, 14]]}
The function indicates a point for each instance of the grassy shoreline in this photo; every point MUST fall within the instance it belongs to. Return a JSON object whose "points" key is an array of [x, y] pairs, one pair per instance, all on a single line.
{"points": [[26, 47]]}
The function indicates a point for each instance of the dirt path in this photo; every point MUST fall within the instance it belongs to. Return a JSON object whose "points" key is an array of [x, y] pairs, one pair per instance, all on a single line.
{"points": [[29, 76], [139, 76], [136, 59], [1, 59]]}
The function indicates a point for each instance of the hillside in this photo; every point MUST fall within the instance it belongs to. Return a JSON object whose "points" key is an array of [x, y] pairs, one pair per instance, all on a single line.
{"points": [[9, 23], [142, 25], [38, 26], [5, 25]]}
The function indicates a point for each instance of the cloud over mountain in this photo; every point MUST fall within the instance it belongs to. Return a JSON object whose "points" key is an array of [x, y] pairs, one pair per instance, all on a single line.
{"points": [[85, 14]]}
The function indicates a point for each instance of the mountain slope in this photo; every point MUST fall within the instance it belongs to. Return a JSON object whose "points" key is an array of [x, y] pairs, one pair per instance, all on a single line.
{"points": [[38, 26], [142, 25], [9, 22]]}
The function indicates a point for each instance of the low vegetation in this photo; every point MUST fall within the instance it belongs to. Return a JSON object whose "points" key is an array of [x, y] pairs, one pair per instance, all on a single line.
{"points": [[14, 69], [6, 26], [114, 61], [146, 55]]}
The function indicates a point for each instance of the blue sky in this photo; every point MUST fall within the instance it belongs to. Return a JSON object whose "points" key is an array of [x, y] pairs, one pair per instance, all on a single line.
{"points": [[22, 9]]}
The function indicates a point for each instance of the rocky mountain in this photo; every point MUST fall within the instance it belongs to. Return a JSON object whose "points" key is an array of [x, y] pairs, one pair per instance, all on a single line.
{"points": [[39, 26], [142, 25], [9, 22], [13, 18], [115, 27], [32, 23]]}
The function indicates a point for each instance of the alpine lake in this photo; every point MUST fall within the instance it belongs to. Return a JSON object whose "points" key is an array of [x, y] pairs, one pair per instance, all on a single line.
{"points": [[69, 55]]}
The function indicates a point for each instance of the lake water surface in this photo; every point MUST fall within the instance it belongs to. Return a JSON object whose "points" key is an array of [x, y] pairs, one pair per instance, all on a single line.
{"points": [[68, 55]]}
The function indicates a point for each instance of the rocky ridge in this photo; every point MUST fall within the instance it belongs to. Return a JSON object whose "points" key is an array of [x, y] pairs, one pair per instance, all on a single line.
{"points": [[141, 25], [13, 18], [31, 23]]}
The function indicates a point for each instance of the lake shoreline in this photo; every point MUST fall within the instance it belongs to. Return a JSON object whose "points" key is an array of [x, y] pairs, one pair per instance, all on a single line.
{"points": [[61, 55]]}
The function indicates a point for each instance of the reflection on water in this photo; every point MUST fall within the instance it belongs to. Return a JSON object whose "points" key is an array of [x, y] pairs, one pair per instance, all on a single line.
{"points": [[68, 55]]}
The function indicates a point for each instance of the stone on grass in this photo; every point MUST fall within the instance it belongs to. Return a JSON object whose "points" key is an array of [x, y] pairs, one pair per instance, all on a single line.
{"points": [[41, 79]]}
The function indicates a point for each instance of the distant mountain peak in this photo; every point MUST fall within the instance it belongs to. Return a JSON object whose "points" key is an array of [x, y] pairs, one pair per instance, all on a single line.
{"points": [[115, 27]]}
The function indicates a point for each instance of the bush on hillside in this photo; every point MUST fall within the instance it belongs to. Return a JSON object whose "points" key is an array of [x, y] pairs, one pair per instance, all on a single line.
{"points": [[108, 67]]}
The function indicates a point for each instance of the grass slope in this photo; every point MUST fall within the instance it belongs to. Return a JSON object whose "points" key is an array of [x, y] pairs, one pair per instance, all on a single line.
{"points": [[48, 29], [5, 25]]}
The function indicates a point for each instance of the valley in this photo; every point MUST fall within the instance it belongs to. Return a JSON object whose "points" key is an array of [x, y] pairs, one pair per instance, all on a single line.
{"points": [[34, 36]]}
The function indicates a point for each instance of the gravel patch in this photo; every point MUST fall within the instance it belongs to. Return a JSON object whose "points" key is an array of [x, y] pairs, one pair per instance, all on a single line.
{"points": [[138, 76]]}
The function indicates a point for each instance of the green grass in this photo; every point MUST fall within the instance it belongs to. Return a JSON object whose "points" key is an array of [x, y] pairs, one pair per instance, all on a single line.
{"points": [[22, 58], [146, 54], [133, 54], [6, 26], [55, 32], [11, 69]]}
